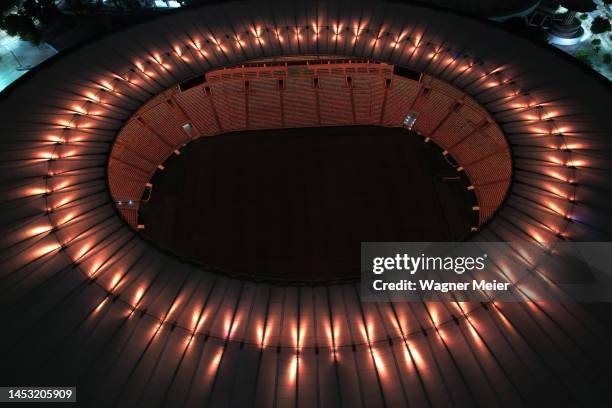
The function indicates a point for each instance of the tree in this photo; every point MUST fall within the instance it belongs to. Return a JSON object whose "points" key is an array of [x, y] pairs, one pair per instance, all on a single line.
{"points": [[575, 6], [42, 10], [583, 55], [22, 26], [27, 18], [6, 6], [600, 25], [582, 6]]}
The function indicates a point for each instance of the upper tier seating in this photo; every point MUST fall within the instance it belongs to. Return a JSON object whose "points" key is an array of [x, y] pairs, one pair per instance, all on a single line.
{"points": [[289, 96]]}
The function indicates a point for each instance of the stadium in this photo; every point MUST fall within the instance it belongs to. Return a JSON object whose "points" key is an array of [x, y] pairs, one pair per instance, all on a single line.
{"points": [[98, 293]]}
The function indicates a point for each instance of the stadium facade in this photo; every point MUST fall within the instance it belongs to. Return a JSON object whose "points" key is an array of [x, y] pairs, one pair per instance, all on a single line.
{"points": [[87, 301]]}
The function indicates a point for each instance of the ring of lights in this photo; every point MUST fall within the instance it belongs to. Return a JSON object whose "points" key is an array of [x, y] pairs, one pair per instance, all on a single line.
{"points": [[55, 181]]}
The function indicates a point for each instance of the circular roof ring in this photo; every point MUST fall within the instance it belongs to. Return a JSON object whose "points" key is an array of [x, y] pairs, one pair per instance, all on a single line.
{"points": [[528, 126]]}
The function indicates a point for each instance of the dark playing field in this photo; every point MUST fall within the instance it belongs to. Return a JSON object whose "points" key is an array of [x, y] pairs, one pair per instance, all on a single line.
{"points": [[296, 204]]}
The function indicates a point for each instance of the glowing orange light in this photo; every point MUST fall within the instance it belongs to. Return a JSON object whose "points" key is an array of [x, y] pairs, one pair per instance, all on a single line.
{"points": [[378, 361], [114, 281], [537, 237], [172, 308], [79, 109], [227, 325], [61, 185], [434, 316], [278, 36], [574, 146], [107, 86], [364, 333], [195, 317], [188, 340], [239, 42], [264, 332], [156, 329], [46, 249], [554, 207], [441, 334], [260, 332], [94, 269], [138, 295], [39, 230], [214, 363], [356, 32], [556, 175], [67, 218], [337, 30], [397, 40], [418, 359], [408, 359], [197, 47], [576, 163], [504, 320], [84, 249], [202, 320], [293, 368], [47, 155], [234, 326], [474, 333], [158, 59], [257, 34], [556, 160], [92, 96], [100, 305], [315, 29], [36, 191]]}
